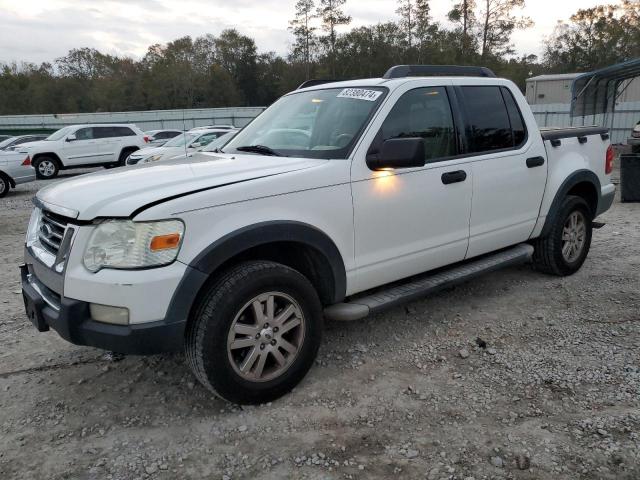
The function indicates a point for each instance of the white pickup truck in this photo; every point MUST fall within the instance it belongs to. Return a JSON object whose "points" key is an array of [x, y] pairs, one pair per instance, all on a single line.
{"points": [[340, 200]]}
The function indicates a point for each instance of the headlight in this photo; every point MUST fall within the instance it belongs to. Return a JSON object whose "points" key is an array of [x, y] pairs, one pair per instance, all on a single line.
{"points": [[34, 225], [152, 158], [124, 244]]}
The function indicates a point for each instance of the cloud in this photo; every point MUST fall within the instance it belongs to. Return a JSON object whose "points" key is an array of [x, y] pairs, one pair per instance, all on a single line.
{"points": [[43, 30]]}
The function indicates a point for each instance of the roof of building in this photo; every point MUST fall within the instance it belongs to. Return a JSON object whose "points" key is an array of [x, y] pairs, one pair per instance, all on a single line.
{"points": [[559, 76]]}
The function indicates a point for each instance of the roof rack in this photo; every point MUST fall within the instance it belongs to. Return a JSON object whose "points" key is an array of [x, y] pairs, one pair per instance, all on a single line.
{"points": [[401, 71], [315, 81]]}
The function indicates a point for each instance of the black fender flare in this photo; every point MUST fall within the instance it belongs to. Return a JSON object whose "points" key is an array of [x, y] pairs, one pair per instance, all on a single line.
{"points": [[571, 181], [200, 269]]}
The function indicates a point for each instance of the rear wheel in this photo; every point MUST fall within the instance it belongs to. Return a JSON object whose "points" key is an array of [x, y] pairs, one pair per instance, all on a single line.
{"points": [[564, 250], [4, 186], [255, 333], [46, 167]]}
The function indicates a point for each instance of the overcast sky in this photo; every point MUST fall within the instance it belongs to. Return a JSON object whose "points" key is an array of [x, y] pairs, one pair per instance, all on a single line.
{"points": [[42, 30]]}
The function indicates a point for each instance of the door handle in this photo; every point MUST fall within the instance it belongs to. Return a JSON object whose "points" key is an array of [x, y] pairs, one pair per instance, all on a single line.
{"points": [[535, 162], [454, 177]]}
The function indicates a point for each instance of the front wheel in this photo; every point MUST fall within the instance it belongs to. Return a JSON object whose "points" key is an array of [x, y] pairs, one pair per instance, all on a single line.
{"points": [[46, 168], [4, 186], [564, 250], [255, 333]]}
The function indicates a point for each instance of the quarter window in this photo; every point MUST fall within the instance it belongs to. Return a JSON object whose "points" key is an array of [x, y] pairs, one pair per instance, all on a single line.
{"points": [[515, 117], [424, 113], [487, 119]]}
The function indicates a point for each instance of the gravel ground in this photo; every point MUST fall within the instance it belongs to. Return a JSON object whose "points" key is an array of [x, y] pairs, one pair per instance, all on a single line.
{"points": [[515, 375]]}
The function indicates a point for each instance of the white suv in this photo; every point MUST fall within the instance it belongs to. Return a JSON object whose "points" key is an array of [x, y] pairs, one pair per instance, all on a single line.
{"points": [[338, 201], [78, 146]]}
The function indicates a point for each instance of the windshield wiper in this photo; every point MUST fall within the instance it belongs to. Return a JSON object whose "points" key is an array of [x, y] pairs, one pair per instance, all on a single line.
{"points": [[260, 149]]}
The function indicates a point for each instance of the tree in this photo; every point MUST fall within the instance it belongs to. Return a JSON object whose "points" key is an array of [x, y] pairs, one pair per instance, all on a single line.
{"points": [[463, 15], [406, 10], [304, 33], [332, 16], [498, 24], [595, 37]]}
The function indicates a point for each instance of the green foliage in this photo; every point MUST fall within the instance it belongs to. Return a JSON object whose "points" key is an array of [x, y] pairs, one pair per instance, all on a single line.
{"points": [[595, 37], [228, 70]]}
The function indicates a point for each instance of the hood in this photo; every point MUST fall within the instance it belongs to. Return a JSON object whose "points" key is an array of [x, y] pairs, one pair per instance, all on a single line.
{"points": [[26, 147], [147, 151], [122, 191]]}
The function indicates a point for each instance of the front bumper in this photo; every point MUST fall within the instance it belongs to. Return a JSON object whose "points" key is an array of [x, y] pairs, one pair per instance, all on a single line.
{"points": [[72, 321]]}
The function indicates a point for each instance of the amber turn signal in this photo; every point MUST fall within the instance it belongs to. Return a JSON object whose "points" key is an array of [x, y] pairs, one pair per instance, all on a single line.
{"points": [[165, 242]]}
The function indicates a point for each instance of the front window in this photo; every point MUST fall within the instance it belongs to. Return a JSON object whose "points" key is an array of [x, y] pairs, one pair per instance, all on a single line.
{"points": [[313, 124], [181, 140], [63, 132]]}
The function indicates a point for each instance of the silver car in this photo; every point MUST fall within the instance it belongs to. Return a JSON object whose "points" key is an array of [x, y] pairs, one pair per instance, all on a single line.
{"points": [[15, 168]]}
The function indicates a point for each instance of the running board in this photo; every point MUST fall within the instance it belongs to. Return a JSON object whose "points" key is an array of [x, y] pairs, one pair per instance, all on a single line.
{"points": [[419, 287]]}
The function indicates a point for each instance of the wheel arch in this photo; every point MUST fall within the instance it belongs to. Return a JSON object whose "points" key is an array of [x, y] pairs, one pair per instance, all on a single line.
{"points": [[295, 244], [53, 156], [584, 184], [9, 179]]}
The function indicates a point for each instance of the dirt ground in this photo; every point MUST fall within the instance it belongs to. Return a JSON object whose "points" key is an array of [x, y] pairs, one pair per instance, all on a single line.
{"points": [[554, 393]]}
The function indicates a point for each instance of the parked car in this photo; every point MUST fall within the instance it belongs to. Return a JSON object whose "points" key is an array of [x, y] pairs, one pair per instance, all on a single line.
{"points": [[157, 138], [237, 258], [214, 146], [83, 146], [12, 143], [184, 143], [15, 169], [216, 127]]}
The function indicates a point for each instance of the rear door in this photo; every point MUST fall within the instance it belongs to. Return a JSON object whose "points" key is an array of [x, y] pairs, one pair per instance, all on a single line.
{"points": [[509, 168], [409, 221], [84, 149], [112, 140]]}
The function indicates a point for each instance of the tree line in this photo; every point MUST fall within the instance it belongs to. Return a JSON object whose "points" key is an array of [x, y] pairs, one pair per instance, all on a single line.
{"points": [[229, 70]]}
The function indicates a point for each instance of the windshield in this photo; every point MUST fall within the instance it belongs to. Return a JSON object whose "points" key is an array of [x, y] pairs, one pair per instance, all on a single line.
{"points": [[8, 141], [220, 141], [180, 140], [63, 132], [314, 124]]}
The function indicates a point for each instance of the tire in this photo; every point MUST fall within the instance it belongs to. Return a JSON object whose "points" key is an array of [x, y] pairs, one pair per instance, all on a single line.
{"points": [[5, 185], [563, 251], [231, 348], [46, 168], [124, 154]]}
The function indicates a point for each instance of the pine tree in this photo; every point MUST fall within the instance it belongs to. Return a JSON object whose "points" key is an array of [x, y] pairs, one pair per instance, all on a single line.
{"points": [[304, 32], [331, 14]]}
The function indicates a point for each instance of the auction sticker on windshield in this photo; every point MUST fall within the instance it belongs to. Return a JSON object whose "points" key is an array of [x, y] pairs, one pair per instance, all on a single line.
{"points": [[360, 94]]}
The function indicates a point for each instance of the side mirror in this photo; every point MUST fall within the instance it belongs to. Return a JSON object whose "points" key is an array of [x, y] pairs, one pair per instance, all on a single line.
{"points": [[195, 145], [71, 137], [397, 153]]}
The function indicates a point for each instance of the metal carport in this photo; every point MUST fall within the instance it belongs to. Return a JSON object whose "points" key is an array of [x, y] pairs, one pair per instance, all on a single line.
{"points": [[596, 92]]}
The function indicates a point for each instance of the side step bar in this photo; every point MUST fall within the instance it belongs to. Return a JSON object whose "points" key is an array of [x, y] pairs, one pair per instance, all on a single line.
{"points": [[419, 287]]}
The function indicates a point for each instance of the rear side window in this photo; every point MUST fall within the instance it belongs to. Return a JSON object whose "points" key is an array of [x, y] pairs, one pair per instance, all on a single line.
{"points": [[123, 132], [515, 117], [425, 113], [111, 132], [487, 119]]}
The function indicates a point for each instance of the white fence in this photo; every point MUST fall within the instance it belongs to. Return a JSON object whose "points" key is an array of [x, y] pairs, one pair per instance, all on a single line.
{"points": [[620, 123], [149, 120]]}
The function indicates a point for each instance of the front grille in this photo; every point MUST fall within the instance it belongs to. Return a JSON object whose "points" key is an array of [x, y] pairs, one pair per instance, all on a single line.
{"points": [[51, 231]]}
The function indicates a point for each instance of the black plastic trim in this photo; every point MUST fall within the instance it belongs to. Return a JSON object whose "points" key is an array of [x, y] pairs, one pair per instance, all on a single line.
{"points": [[402, 71], [556, 143], [73, 322], [575, 178], [264, 233], [571, 132]]}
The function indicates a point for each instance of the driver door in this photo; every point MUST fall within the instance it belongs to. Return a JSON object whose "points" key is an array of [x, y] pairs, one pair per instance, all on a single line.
{"points": [[408, 221], [85, 149]]}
